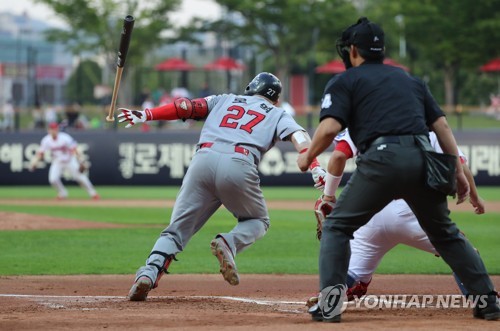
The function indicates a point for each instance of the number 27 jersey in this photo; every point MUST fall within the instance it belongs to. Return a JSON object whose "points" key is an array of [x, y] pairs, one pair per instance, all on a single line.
{"points": [[246, 120]]}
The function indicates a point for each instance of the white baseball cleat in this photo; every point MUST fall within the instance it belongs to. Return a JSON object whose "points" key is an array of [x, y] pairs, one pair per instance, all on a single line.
{"points": [[140, 289], [226, 260]]}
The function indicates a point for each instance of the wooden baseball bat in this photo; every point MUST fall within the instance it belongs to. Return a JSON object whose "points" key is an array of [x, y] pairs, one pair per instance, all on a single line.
{"points": [[128, 25]]}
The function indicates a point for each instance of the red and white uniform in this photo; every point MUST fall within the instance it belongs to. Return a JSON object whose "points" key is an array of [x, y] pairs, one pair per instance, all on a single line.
{"points": [[393, 225], [62, 149]]}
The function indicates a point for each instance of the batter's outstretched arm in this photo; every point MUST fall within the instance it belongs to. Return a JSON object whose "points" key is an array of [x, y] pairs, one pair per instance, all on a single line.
{"points": [[181, 108], [300, 140]]}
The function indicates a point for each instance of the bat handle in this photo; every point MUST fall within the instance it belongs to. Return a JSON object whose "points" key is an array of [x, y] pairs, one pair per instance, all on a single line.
{"points": [[111, 116]]}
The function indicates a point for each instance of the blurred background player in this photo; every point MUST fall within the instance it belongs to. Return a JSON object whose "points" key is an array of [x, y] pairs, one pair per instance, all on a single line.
{"points": [[65, 157], [7, 124], [238, 130]]}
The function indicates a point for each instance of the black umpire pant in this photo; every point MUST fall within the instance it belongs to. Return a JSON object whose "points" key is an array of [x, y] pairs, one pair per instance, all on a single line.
{"points": [[388, 171]]}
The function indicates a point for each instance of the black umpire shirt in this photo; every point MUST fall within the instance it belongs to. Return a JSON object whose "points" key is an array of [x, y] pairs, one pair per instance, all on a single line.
{"points": [[376, 100]]}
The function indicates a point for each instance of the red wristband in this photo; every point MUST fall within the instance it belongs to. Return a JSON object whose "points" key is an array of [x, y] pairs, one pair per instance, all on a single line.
{"points": [[303, 151]]}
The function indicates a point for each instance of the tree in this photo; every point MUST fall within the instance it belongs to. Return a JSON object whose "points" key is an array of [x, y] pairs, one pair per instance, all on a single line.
{"points": [[287, 30], [94, 27], [452, 36], [80, 86]]}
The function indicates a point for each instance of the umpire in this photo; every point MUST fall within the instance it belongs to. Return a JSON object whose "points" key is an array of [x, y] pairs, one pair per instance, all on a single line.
{"points": [[389, 114]]}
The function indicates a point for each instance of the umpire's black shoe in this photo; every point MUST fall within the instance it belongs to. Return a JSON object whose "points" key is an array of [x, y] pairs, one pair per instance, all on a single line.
{"points": [[317, 315], [492, 310]]}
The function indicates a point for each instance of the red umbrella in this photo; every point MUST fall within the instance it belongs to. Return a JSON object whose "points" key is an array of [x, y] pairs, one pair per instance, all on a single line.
{"points": [[224, 63], [332, 67], [491, 66], [391, 62], [227, 64], [174, 64]]}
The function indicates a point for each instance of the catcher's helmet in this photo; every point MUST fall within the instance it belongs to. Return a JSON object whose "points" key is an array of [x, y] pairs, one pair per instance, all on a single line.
{"points": [[265, 84]]}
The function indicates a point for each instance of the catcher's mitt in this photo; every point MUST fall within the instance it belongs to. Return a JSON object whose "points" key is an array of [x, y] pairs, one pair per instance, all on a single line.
{"points": [[82, 167], [321, 209]]}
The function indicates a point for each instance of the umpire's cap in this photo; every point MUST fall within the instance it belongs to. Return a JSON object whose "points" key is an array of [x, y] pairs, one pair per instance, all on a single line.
{"points": [[365, 35], [265, 84]]}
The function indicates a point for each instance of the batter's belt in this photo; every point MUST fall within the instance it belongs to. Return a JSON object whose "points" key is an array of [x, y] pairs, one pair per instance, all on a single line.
{"points": [[225, 148], [237, 149]]}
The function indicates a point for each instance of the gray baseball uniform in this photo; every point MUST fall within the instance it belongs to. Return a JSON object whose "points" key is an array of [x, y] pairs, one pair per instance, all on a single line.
{"points": [[223, 171]]}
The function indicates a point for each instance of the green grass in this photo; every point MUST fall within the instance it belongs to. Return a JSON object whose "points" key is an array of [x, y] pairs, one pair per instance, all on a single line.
{"points": [[143, 192], [128, 215], [170, 192], [472, 121], [288, 247], [108, 192]]}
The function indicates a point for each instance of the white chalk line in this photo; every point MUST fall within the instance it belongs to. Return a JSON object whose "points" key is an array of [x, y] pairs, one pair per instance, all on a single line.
{"points": [[45, 300], [48, 300], [104, 297]]}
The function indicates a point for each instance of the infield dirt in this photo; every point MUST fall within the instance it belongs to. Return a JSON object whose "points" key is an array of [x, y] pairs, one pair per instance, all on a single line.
{"points": [[206, 301]]}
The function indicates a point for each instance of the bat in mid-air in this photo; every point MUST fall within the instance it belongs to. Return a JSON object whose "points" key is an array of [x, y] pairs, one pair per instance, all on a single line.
{"points": [[128, 25]]}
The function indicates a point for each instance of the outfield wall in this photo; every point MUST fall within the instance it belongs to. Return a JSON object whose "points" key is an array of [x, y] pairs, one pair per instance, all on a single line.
{"points": [[161, 158]]}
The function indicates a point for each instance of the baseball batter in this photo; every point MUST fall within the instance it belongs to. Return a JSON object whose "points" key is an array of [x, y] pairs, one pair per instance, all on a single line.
{"points": [[65, 157], [238, 130], [393, 225]]}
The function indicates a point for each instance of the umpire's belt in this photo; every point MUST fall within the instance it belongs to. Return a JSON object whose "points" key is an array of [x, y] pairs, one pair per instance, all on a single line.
{"points": [[237, 149], [405, 140]]}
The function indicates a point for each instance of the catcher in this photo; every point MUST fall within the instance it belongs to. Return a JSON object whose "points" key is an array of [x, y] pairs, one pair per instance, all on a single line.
{"points": [[65, 157], [393, 225]]}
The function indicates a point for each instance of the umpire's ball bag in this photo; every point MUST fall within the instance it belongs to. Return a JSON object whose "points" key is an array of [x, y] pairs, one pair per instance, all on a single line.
{"points": [[440, 169]]}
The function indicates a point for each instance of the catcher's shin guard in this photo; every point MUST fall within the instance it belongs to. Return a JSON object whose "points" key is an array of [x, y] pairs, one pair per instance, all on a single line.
{"points": [[164, 268]]}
